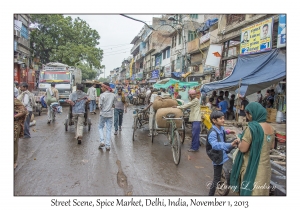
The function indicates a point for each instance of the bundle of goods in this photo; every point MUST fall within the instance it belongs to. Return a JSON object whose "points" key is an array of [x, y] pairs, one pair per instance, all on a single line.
{"points": [[142, 95], [271, 115], [162, 112], [160, 102]]}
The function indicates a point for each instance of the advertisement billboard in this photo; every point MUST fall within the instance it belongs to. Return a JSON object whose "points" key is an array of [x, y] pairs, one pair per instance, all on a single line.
{"points": [[281, 38], [257, 38]]}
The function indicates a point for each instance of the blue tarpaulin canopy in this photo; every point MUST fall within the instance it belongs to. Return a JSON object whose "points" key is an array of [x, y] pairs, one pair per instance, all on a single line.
{"points": [[256, 72]]}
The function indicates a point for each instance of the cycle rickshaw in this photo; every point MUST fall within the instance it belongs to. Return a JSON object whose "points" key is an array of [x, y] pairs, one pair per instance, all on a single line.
{"points": [[69, 120], [176, 135]]}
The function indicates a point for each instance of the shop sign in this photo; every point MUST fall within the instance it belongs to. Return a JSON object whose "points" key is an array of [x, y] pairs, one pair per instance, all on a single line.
{"points": [[155, 74], [257, 38], [281, 38], [229, 67], [168, 71]]}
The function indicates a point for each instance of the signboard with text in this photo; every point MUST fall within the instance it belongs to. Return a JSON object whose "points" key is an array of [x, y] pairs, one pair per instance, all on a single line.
{"points": [[168, 71], [257, 38], [281, 38]]}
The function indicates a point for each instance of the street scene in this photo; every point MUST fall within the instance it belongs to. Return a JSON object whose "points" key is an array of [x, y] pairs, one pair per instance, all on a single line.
{"points": [[186, 105]]}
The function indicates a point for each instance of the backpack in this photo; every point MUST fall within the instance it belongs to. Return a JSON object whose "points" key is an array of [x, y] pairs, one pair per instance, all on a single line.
{"points": [[215, 155], [31, 98]]}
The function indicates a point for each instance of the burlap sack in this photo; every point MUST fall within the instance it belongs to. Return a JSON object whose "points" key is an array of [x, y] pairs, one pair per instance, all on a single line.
{"points": [[271, 115], [160, 102], [162, 123]]}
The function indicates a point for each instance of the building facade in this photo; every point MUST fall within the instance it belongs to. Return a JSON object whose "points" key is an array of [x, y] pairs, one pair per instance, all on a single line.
{"points": [[24, 71]]}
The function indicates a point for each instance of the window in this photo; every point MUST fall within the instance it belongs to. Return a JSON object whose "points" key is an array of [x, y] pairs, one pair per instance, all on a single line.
{"points": [[164, 55], [168, 53], [194, 16], [191, 36]]}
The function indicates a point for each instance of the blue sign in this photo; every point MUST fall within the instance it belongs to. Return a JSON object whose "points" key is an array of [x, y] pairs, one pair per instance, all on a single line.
{"points": [[155, 74], [281, 39], [15, 45]]}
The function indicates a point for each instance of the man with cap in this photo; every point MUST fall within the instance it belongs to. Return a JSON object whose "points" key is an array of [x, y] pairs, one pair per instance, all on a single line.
{"points": [[195, 118], [106, 107]]}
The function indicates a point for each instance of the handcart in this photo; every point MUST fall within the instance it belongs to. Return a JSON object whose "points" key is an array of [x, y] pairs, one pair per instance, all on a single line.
{"points": [[175, 135], [69, 120]]}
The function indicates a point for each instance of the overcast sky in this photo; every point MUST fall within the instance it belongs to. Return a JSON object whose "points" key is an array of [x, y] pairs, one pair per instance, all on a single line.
{"points": [[116, 34]]}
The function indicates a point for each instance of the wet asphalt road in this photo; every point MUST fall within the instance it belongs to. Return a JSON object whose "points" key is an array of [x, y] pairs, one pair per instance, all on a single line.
{"points": [[52, 163]]}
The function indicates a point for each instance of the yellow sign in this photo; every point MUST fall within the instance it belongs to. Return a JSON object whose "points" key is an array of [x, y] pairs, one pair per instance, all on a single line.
{"points": [[130, 68], [257, 38]]}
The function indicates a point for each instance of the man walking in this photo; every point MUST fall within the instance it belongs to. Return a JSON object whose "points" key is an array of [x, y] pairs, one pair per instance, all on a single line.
{"points": [[120, 105], [24, 97], [54, 94], [78, 101], [92, 93], [106, 105], [195, 118]]}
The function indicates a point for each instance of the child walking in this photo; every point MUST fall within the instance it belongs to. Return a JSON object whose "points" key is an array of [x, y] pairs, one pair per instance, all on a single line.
{"points": [[217, 147]]}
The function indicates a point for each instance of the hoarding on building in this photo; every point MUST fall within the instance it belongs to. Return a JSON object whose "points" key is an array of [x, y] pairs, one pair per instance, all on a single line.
{"points": [[281, 38], [257, 38], [229, 67], [155, 74], [167, 71]]}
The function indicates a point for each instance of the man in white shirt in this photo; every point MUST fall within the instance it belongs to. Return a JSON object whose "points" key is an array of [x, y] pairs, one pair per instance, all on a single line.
{"points": [[92, 93], [151, 116], [25, 99], [106, 105]]}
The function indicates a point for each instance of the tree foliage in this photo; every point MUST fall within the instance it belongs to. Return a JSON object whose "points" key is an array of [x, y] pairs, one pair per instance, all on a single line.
{"points": [[103, 79], [87, 72], [60, 39]]}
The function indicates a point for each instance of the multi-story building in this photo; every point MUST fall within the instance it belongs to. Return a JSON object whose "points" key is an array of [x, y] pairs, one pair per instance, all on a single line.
{"points": [[23, 69]]}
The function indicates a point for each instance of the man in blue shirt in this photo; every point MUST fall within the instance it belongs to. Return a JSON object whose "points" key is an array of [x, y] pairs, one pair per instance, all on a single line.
{"points": [[223, 106], [217, 147], [78, 101]]}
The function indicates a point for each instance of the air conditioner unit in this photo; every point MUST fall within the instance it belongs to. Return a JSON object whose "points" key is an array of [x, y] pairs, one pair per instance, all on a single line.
{"points": [[17, 33]]}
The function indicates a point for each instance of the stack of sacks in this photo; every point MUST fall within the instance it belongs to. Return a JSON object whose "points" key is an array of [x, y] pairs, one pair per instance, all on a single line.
{"points": [[163, 106]]}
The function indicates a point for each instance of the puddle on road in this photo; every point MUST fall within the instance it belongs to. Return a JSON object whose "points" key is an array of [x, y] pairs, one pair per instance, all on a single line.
{"points": [[122, 180]]}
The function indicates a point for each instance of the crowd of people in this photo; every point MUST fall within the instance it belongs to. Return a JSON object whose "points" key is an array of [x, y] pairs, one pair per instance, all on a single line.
{"points": [[234, 107], [252, 164]]}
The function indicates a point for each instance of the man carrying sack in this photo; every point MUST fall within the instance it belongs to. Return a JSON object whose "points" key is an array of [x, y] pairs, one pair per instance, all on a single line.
{"points": [[51, 96]]}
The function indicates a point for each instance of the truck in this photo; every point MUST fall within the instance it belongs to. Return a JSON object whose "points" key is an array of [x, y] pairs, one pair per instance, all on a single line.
{"points": [[65, 78]]}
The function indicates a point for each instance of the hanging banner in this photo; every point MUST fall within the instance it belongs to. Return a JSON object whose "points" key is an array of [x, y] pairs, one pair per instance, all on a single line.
{"points": [[167, 71], [257, 38], [281, 38], [130, 68], [230, 66], [155, 74]]}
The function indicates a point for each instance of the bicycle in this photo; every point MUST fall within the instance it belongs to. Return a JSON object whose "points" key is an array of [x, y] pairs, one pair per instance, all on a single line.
{"points": [[174, 137], [140, 118]]}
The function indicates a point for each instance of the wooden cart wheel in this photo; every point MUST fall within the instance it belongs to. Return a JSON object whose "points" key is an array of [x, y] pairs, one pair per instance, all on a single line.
{"points": [[152, 136], [182, 132], [66, 124]]}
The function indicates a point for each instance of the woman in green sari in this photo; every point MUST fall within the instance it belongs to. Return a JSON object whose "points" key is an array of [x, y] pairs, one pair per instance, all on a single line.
{"points": [[251, 171]]}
